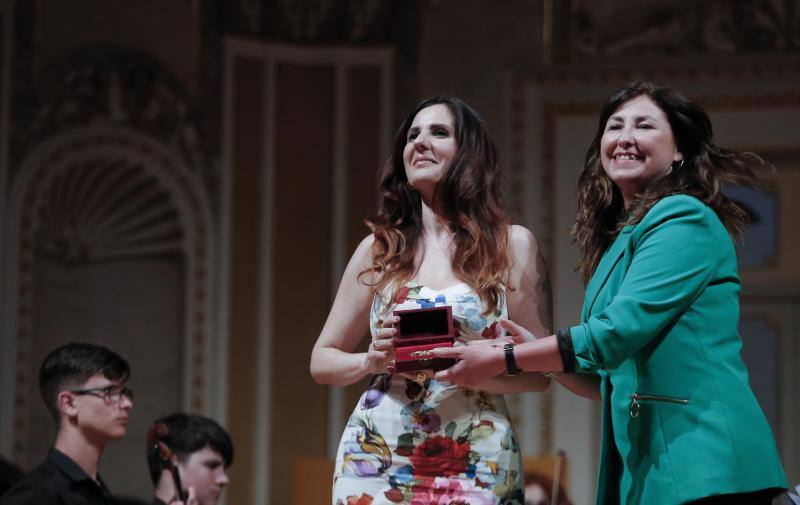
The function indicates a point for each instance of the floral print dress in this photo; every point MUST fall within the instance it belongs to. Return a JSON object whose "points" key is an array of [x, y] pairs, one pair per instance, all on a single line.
{"points": [[416, 443]]}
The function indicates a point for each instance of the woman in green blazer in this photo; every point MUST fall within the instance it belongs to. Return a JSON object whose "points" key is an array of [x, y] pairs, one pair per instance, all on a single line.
{"points": [[660, 315]]}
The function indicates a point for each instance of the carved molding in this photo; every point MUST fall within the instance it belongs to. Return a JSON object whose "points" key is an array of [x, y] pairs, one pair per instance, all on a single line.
{"points": [[319, 21], [684, 27], [104, 208], [112, 86], [306, 17], [98, 194]]}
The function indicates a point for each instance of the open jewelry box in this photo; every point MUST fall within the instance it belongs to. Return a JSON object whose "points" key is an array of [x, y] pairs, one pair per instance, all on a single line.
{"points": [[419, 332]]}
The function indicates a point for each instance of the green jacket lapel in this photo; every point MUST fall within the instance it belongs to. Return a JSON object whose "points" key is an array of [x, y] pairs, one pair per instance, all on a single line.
{"points": [[607, 265]]}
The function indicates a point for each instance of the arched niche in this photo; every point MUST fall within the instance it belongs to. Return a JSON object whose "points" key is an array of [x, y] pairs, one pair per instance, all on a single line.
{"points": [[108, 240]]}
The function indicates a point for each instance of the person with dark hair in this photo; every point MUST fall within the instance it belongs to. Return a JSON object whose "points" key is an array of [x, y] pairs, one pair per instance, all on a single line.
{"points": [[84, 386], [203, 450], [661, 311], [439, 239], [10, 474]]}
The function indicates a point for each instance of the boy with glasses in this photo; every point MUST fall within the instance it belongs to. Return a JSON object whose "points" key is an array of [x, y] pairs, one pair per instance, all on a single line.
{"points": [[84, 388]]}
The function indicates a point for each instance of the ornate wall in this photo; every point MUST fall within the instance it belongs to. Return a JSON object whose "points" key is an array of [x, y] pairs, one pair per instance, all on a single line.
{"points": [[109, 234]]}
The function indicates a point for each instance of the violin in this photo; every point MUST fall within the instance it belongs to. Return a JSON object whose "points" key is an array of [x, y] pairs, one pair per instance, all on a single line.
{"points": [[155, 442]]}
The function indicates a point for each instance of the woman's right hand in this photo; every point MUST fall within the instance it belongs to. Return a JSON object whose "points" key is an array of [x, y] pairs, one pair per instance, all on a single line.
{"points": [[380, 355]]}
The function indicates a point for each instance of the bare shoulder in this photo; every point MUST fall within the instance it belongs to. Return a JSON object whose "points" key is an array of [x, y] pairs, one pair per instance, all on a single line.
{"points": [[522, 243], [364, 248], [529, 296], [527, 262], [361, 260]]}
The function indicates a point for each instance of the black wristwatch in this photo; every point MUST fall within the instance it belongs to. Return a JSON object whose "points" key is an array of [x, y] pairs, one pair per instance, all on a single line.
{"points": [[511, 363]]}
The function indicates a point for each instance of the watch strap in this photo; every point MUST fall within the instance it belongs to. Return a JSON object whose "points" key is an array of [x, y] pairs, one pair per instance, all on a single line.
{"points": [[511, 363]]}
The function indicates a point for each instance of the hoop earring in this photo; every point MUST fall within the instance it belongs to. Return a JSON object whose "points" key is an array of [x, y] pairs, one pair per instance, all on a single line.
{"points": [[673, 167]]}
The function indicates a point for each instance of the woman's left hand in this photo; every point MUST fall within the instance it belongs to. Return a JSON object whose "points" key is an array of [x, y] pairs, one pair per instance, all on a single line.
{"points": [[477, 364]]}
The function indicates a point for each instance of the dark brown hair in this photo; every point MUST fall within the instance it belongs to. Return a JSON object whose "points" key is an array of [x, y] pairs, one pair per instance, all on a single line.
{"points": [[187, 434], [704, 172], [71, 365], [468, 195]]}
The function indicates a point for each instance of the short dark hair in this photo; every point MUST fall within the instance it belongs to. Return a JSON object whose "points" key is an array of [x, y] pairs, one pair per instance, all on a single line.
{"points": [[73, 364], [186, 434]]}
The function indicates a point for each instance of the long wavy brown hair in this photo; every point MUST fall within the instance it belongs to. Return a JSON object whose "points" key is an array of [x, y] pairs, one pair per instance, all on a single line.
{"points": [[705, 171], [468, 196]]}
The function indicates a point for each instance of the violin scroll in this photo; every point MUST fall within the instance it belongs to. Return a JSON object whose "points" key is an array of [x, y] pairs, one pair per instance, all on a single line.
{"points": [[155, 442]]}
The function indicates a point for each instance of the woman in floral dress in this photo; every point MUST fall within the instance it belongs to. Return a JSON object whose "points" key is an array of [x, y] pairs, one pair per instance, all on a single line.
{"points": [[439, 238]]}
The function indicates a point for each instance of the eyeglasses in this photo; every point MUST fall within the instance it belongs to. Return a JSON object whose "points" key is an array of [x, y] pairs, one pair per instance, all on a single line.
{"points": [[111, 394]]}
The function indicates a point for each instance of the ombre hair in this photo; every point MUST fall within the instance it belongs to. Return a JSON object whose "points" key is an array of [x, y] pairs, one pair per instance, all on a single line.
{"points": [[704, 172], [468, 195]]}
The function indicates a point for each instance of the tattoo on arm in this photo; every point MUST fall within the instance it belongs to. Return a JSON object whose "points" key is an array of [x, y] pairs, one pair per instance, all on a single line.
{"points": [[545, 290]]}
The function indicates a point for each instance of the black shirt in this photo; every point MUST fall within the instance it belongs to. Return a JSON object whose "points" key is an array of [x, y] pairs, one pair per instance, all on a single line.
{"points": [[9, 475], [58, 481]]}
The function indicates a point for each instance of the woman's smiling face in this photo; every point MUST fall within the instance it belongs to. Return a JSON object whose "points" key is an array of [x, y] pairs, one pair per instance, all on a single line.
{"points": [[430, 147], [637, 146]]}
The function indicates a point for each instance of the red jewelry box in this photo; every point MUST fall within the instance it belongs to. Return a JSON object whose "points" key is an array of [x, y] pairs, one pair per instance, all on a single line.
{"points": [[419, 332]]}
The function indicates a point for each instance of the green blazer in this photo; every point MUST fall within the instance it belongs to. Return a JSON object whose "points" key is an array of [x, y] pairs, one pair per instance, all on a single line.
{"points": [[659, 325]]}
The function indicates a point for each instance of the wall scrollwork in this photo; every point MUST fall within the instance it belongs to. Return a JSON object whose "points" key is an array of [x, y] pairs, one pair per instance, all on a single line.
{"points": [[118, 87], [683, 28], [102, 194]]}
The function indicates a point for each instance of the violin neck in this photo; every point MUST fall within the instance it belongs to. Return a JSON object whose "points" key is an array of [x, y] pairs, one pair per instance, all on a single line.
{"points": [[176, 479]]}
